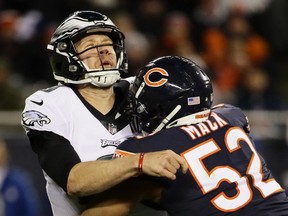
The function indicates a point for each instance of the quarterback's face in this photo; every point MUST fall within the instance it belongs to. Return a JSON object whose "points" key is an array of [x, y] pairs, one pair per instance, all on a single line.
{"points": [[102, 56]]}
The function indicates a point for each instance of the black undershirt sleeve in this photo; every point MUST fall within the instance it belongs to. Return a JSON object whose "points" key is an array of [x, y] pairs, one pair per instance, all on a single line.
{"points": [[55, 154]]}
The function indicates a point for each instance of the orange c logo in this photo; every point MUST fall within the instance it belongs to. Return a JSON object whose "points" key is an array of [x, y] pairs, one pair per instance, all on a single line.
{"points": [[159, 83]]}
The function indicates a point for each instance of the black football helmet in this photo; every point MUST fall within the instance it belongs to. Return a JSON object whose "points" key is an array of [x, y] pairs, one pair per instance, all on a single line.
{"points": [[171, 91], [64, 60]]}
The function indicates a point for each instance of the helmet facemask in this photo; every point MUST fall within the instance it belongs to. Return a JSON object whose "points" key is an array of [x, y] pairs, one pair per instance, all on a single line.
{"points": [[153, 117], [105, 74], [171, 112]]}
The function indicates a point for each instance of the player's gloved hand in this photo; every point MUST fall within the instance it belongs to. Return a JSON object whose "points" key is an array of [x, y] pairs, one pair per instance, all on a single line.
{"points": [[163, 164]]}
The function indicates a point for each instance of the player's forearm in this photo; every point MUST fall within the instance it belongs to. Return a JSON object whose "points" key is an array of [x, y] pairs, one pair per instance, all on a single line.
{"points": [[93, 177], [89, 178]]}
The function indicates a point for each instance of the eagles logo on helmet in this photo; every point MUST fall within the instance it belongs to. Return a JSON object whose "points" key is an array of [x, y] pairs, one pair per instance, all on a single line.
{"points": [[179, 88]]}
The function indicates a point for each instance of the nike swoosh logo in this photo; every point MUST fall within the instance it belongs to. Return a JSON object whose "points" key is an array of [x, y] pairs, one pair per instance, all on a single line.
{"points": [[40, 103], [117, 115]]}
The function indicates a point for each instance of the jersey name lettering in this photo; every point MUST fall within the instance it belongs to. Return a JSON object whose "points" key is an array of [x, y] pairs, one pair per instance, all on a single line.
{"points": [[206, 127]]}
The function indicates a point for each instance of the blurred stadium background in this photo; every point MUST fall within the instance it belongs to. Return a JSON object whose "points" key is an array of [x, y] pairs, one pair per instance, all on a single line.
{"points": [[242, 44]]}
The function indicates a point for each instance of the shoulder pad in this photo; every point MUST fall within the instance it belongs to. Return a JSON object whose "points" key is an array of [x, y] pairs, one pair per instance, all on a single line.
{"points": [[233, 115]]}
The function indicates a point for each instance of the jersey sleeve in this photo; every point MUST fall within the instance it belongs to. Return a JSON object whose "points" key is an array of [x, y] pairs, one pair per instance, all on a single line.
{"points": [[137, 144], [46, 123], [42, 114], [126, 148], [55, 155]]}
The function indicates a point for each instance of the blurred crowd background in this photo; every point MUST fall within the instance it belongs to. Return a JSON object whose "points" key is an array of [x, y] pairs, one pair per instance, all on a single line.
{"points": [[241, 44]]}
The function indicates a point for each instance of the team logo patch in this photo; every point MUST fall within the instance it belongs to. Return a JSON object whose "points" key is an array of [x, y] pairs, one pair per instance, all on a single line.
{"points": [[112, 128], [32, 117], [156, 83], [106, 143]]}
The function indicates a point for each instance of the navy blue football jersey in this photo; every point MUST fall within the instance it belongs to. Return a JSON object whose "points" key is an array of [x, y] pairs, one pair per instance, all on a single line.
{"points": [[226, 174]]}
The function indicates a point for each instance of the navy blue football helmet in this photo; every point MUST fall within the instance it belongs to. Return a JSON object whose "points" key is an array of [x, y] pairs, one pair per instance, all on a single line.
{"points": [[171, 91], [64, 60]]}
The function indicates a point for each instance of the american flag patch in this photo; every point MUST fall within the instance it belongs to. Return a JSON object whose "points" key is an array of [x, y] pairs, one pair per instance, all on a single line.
{"points": [[193, 100]]}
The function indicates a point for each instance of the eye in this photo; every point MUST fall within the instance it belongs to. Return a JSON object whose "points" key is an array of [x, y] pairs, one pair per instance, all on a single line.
{"points": [[89, 45]]}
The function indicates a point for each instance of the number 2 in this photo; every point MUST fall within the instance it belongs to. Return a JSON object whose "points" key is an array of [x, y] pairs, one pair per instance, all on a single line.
{"points": [[210, 180]]}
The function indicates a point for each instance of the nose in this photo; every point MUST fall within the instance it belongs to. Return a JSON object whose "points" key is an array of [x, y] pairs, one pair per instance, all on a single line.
{"points": [[103, 50]]}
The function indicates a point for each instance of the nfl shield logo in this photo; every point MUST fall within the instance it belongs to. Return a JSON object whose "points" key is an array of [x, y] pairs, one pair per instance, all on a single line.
{"points": [[112, 128]]}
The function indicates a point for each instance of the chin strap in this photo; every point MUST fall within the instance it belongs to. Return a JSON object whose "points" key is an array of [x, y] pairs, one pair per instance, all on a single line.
{"points": [[99, 79], [167, 119], [190, 119], [186, 120], [105, 80]]}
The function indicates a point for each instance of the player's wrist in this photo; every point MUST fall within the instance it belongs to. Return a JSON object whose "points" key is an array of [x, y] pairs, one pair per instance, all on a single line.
{"points": [[138, 164]]}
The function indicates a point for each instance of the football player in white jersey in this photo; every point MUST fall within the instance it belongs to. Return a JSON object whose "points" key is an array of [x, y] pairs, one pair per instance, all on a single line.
{"points": [[73, 125]]}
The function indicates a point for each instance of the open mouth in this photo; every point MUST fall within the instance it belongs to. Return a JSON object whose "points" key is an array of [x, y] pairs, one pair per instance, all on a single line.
{"points": [[106, 64]]}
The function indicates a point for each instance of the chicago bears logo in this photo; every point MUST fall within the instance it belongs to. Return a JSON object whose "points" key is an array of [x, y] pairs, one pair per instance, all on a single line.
{"points": [[32, 117], [158, 83]]}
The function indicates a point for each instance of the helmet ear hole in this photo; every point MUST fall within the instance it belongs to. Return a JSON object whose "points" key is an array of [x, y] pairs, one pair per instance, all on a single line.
{"points": [[62, 46]]}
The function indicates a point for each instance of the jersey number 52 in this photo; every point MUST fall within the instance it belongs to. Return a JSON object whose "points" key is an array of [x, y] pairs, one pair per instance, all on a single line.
{"points": [[210, 180]]}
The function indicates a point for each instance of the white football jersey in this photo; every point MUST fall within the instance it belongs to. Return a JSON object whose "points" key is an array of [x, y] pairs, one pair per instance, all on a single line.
{"points": [[93, 135]]}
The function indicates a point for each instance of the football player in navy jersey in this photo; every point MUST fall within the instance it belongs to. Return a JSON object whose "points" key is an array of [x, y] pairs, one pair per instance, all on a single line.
{"points": [[73, 125], [227, 176]]}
